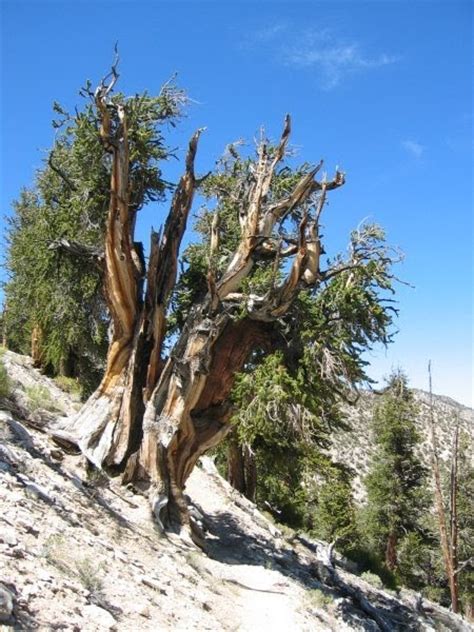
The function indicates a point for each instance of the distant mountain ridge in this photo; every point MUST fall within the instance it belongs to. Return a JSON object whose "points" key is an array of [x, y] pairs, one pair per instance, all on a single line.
{"points": [[355, 447]]}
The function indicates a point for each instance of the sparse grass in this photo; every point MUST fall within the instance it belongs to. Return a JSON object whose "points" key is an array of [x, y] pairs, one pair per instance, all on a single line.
{"points": [[195, 561], [96, 477], [5, 382], [316, 598], [68, 385], [372, 579], [57, 552], [90, 575], [287, 531], [40, 397], [268, 516]]}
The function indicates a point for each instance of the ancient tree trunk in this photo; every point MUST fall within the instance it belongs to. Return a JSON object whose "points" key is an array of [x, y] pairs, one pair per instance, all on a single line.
{"points": [[450, 562], [4, 342], [391, 551], [109, 426], [36, 339], [454, 587], [235, 466], [152, 417], [242, 469]]}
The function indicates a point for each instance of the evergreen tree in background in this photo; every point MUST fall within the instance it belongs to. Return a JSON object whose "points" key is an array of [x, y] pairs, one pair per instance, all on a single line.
{"points": [[396, 492], [465, 524], [335, 513], [55, 308]]}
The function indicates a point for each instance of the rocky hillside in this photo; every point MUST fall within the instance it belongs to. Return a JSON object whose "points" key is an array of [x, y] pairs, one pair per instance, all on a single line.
{"points": [[355, 447], [79, 552]]}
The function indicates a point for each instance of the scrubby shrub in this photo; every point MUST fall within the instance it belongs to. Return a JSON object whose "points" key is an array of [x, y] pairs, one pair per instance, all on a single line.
{"points": [[39, 397], [5, 382], [316, 598], [68, 385], [369, 562], [90, 575], [372, 579]]}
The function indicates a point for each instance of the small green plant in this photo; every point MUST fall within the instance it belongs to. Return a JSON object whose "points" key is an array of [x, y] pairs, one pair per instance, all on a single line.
{"points": [[288, 532], [372, 579], [40, 397], [195, 561], [5, 382], [319, 599], [55, 552], [90, 575], [68, 385]]}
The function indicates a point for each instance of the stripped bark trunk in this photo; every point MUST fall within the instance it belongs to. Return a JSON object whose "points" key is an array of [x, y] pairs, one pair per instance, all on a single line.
{"points": [[445, 537], [242, 469], [235, 466], [391, 551], [152, 418], [36, 339], [188, 411], [108, 428], [454, 517]]}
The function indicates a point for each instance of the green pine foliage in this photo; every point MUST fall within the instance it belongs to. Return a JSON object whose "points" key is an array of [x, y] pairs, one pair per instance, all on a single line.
{"points": [[397, 500], [59, 291], [334, 517], [466, 522], [287, 403], [5, 382]]}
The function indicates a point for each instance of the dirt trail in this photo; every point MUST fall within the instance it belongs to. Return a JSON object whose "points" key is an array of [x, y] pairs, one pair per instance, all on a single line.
{"points": [[80, 553]]}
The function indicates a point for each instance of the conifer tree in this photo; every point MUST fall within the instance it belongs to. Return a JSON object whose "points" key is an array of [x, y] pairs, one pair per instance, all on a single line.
{"points": [[56, 309], [396, 496], [256, 285]]}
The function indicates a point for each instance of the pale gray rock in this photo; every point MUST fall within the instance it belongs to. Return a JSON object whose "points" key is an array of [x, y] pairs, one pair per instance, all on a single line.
{"points": [[8, 536], [6, 603], [98, 617]]}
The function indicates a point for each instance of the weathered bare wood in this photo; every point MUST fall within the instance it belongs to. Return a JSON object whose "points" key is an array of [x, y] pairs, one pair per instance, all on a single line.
{"points": [[453, 518], [151, 417], [164, 264], [440, 507]]}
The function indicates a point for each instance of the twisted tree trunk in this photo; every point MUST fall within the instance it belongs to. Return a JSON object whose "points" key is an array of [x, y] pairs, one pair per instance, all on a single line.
{"points": [[151, 418], [448, 539], [242, 469], [391, 551]]}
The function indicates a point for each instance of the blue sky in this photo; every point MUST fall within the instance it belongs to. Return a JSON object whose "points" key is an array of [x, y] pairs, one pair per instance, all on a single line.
{"points": [[382, 89]]}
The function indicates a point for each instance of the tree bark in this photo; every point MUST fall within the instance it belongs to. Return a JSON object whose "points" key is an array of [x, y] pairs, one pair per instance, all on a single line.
{"points": [[235, 466], [391, 551], [454, 587], [445, 537], [36, 353], [242, 469], [152, 417]]}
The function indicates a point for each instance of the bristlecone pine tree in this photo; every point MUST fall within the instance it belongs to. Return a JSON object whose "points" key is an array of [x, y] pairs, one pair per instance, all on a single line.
{"points": [[55, 309], [152, 416]]}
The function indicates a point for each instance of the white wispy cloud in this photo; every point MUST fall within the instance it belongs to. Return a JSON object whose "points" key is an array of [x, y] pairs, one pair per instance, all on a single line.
{"points": [[413, 147], [336, 61], [268, 32], [332, 58]]}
